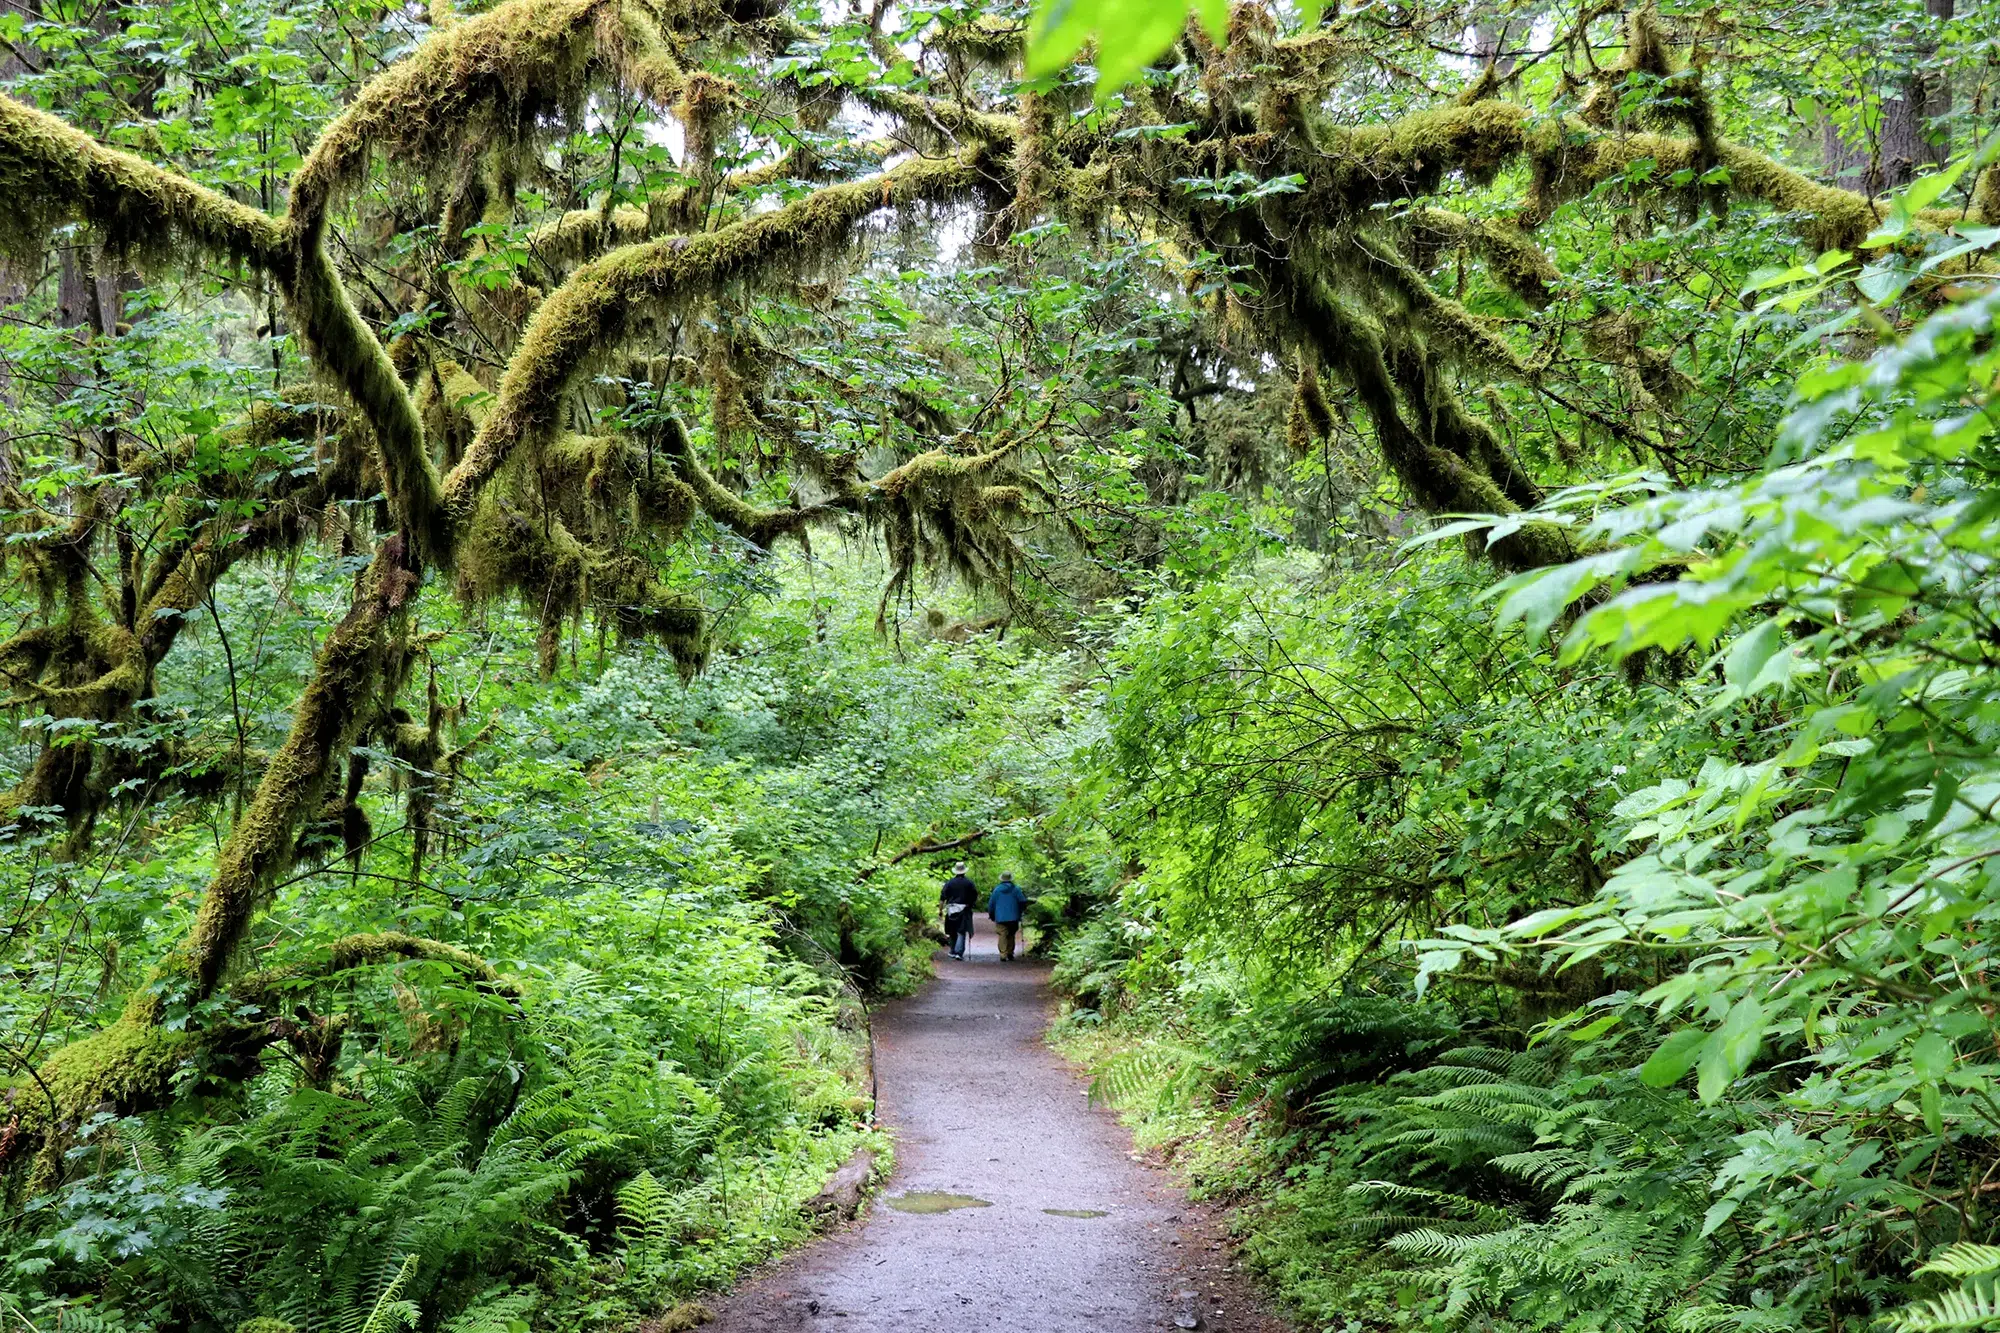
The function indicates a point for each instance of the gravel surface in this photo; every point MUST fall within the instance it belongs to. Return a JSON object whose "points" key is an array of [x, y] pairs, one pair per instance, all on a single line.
{"points": [[981, 1108]]}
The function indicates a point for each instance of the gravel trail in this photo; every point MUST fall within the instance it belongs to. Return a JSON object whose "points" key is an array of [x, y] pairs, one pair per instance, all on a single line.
{"points": [[1071, 1232]]}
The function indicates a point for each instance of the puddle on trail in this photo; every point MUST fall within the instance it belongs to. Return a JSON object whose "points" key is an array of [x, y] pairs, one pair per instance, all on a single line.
{"points": [[1075, 1212], [923, 1201]]}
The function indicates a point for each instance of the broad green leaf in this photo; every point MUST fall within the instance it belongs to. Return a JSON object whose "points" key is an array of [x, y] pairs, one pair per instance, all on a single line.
{"points": [[1128, 34], [1748, 654], [1674, 1058], [1731, 1049], [1931, 1055]]}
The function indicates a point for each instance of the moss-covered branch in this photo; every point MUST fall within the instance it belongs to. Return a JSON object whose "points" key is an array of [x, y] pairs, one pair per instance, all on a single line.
{"points": [[603, 301], [347, 673], [51, 174], [351, 354], [759, 527], [493, 74], [265, 988]]}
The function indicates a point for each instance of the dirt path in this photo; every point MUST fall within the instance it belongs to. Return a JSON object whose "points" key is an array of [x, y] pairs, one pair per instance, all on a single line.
{"points": [[980, 1107]]}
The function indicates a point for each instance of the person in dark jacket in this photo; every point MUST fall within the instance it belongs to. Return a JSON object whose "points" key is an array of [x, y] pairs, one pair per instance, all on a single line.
{"points": [[958, 897], [1005, 906]]}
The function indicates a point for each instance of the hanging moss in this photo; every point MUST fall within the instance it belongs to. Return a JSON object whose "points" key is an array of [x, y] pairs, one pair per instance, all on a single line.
{"points": [[598, 306], [1681, 99], [1449, 461], [950, 511], [1459, 334], [1509, 252], [502, 69], [1309, 419]]}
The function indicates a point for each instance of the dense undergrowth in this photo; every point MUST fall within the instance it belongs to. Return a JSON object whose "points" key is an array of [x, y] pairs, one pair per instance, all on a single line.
{"points": [[669, 880], [1524, 988]]}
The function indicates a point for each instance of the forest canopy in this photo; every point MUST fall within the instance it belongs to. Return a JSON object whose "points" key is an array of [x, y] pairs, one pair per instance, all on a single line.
{"points": [[1452, 544]]}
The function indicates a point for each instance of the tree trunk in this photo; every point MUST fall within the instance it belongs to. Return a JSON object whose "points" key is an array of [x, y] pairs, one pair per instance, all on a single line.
{"points": [[1911, 139]]}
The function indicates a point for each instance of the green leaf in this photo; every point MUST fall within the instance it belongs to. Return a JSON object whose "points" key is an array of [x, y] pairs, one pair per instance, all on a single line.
{"points": [[1885, 280], [1748, 654], [1537, 599], [1129, 34], [1931, 1055], [1729, 1052], [1718, 1212], [1675, 1057]]}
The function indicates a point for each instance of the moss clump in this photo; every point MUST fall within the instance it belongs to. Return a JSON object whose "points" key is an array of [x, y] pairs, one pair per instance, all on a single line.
{"points": [[583, 233], [986, 40], [1508, 250], [1410, 156], [1831, 218], [130, 1065], [1986, 197]]}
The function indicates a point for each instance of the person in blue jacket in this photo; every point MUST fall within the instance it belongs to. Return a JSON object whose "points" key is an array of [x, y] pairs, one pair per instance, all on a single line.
{"points": [[1004, 906]]}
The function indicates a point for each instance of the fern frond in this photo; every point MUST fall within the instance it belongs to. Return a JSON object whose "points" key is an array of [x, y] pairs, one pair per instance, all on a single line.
{"points": [[1965, 1259], [1429, 1243], [1974, 1305], [498, 1310], [390, 1310], [1545, 1168]]}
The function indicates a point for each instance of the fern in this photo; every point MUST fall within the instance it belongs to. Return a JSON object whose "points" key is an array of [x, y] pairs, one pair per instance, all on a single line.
{"points": [[1545, 1168], [1965, 1259], [497, 1310], [1973, 1305], [390, 1311], [1169, 1068], [1430, 1243]]}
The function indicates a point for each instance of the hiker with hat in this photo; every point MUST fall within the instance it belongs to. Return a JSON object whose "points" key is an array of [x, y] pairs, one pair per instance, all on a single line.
{"points": [[958, 897]]}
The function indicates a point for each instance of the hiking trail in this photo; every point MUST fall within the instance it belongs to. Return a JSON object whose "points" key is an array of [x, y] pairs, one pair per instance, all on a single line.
{"points": [[1014, 1204]]}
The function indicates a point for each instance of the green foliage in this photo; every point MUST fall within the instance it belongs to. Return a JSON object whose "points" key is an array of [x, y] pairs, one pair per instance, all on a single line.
{"points": [[1608, 949], [1716, 918], [670, 872]]}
